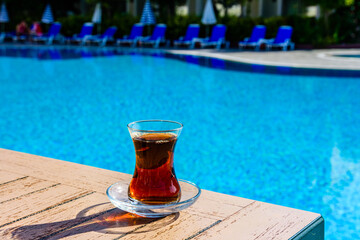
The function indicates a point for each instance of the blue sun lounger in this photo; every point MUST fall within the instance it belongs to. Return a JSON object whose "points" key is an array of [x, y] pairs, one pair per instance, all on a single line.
{"points": [[2, 37], [9, 35], [103, 38], [84, 34], [12, 35], [54, 33], [191, 35], [282, 39], [217, 38], [157, 37], [256, 39], [135, 35]]}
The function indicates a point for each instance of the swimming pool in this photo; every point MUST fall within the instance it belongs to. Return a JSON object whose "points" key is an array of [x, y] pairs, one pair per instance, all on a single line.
{"points": [[272, 134]]}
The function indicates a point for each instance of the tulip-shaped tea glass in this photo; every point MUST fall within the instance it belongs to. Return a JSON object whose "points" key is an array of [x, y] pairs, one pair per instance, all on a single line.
{"points": [[154, 180]]}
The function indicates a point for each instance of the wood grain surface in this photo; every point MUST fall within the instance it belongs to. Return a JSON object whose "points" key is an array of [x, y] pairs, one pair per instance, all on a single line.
{"points": [[43, 198]]}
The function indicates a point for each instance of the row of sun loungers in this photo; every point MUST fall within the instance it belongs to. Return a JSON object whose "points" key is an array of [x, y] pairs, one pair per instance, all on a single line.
{"points": [[257, 38], [53, 34], [191, 38]]}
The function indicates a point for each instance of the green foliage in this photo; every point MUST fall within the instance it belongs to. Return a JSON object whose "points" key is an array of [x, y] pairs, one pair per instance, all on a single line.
{"points": [[122, 21], [349, 2], [166, 8], [227, 4], [345, 24], [272, 24], [326, 4], [109, 7], [307, 30], [72, 24], [176, 26], [239, 28]]}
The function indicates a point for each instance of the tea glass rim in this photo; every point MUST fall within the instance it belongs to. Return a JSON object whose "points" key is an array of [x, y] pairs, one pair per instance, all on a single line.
{"points": [[155, 131]]}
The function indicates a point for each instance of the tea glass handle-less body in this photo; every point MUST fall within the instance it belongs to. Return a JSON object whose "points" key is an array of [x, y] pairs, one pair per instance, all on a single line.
{"points": [[154, 180]]}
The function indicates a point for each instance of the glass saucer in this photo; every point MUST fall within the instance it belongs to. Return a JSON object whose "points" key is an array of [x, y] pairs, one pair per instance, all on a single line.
{"points": [[118, 195]]}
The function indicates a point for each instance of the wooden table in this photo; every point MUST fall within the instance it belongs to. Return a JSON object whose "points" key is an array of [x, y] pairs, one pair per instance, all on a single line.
{"points": [[43, 198]]}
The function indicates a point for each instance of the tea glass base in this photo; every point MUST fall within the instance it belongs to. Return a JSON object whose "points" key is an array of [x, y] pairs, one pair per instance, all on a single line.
{"points": [[118, 195]]}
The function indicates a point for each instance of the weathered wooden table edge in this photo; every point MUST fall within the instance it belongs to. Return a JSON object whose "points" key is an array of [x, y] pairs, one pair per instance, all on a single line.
{"points": [[214, 216]]}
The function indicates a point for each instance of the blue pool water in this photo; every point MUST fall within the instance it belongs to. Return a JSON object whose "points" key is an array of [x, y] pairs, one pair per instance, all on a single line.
{"points": [[290, 138], [348, 55]]}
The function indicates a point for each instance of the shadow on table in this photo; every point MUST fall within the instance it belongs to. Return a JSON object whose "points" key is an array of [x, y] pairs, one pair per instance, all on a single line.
{"points": [[113, 221]]}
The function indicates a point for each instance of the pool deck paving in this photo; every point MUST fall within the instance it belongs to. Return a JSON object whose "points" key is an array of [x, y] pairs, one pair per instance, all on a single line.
{"points": [[324, 59], [43, 198]]}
